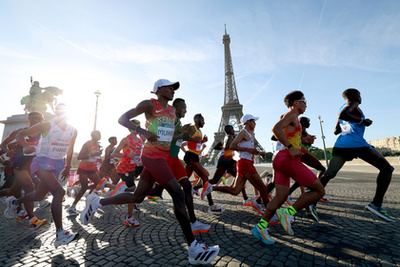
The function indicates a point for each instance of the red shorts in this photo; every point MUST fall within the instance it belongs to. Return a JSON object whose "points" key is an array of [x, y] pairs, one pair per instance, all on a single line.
{"points": [[177, 168], [286, 167], [245, 166], [156, 170]]}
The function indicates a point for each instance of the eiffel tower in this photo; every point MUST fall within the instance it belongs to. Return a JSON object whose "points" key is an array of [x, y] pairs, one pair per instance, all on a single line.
{"points": [[232, 110]]}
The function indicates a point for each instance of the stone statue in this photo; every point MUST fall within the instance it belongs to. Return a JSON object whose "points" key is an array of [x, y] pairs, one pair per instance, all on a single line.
{"points": [[37, 100]]}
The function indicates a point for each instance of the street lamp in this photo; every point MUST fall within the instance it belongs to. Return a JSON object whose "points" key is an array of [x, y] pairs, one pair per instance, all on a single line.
{"points": [[97, 93], [323, 138]]}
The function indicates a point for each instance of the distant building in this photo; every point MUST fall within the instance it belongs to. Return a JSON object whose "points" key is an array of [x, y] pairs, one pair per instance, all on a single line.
{"points": [[387, 146]]}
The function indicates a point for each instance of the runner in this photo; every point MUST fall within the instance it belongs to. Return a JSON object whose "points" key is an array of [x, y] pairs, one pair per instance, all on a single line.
{"points": [[244, 143], [226, 163], [58, 139], [287, 164], [351, 144], [130, 167], [177, 168], [193, 162], [160, 129], [88, 156], [20, 169], [107, 168]]}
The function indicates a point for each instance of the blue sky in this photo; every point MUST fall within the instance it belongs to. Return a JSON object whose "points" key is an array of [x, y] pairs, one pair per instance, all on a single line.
{"points": [[121, 47]]}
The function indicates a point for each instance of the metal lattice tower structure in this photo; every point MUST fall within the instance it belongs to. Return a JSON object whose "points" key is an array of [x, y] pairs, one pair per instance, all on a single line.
{"points": [[232, 110]]}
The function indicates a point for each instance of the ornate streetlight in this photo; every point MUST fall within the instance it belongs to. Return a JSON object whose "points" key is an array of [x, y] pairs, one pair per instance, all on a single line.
{"points": [[323, 138], [97, 93]]}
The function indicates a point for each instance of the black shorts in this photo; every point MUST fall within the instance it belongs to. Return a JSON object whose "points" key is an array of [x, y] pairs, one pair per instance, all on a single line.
{"points": [[226, 164], [190, 157], [348, 154], [129, 177]]}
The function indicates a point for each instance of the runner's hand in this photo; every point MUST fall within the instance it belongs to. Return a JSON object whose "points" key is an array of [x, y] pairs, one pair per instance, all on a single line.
{"points": [[295, 153]]}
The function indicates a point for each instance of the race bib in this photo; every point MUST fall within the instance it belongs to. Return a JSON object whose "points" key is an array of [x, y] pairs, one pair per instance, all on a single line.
{"points": [[198, 146], [112, 161], [165, 132]]}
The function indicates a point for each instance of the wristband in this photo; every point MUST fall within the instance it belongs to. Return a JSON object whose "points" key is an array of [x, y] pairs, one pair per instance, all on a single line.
{"points": [[289, 146]]}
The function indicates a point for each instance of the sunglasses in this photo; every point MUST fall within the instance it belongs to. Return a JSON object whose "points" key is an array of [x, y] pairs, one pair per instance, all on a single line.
{"points": [[305, 101]]}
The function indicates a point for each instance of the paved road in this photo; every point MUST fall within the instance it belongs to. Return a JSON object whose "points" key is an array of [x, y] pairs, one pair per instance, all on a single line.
{"points": [[346, 235]]}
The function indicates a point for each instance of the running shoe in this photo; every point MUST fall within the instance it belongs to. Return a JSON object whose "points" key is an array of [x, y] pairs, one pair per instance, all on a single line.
{"points": [[380, 211], [131, 221], [223, 180], [69, 191], [274, 220], [71, 211], [247, 202], [195, 192], [92, 204], [207, 189], [257, 207], [43, 204], [119, 189], [11, 210], [21, 215], [312, 212], [262, 235], [136, 207], [285, 221], [201, 253], [198, 227], [35, 223], [64, 237], [152, 198], [324, 199], [100, 186], [216, 209], [289, 200]]}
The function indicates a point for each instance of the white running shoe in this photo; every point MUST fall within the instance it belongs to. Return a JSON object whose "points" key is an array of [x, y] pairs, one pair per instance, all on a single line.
{"points": [[92, 204], [207, 189], [257, 207], [289, 200], [198, 227], [71, 211], [216, 209], [43, 204], [131, 221], [11, 210], [248, 201], [119, 189], [64, 238], [201, 253]]}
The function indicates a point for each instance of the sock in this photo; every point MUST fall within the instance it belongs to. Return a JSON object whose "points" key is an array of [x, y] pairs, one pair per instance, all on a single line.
{"points": [[290, 211], [73, 205], [262, 224]]}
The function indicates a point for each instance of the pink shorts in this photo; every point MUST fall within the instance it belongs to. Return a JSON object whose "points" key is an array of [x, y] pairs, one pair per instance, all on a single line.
{"points": [[156, 170], [245, 166], [177, 168], [286, 167]]}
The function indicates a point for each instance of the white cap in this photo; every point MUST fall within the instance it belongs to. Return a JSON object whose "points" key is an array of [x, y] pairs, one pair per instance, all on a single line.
{"points": [[164, 82], [248, 117]]}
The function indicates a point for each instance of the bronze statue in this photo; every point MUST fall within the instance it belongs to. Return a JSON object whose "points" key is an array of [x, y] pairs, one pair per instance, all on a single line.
{"points": [[37, 100]]}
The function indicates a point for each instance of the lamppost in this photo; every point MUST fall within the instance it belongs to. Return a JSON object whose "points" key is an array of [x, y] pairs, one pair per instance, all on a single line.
{"points": [[323, 138], [97, 93]]}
